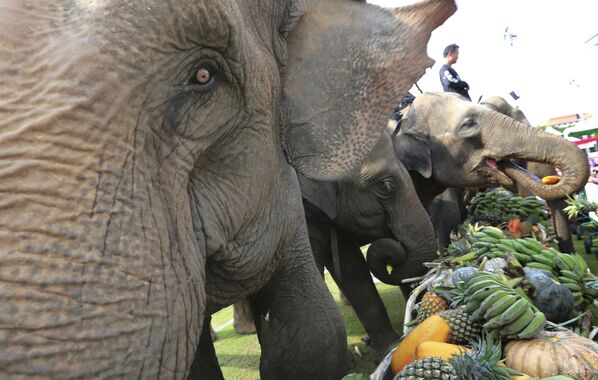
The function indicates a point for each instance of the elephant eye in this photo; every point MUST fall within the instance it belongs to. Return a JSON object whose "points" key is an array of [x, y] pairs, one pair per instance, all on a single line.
{"points": [[386, 186], [469, 123], [203, 78], [469, 127]]}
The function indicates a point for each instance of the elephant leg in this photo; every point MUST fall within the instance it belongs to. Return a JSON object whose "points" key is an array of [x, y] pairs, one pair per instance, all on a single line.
{"points": [[205, 363], [243, 318], [446, 216], [357, 285], [561, 225], [299, 326]]}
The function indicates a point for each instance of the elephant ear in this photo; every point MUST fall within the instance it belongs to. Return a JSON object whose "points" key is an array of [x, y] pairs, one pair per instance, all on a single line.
{"points": [[321, 194], [348, 65], [414, 152]]}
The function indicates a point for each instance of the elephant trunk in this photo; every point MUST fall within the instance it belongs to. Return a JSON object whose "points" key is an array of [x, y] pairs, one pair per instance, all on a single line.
{"points": [[392, 262], [571, 161]]}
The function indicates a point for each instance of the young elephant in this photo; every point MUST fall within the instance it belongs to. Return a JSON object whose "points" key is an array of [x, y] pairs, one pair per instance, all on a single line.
{"points": [[145, 177], [446, 141], [377, 202]]}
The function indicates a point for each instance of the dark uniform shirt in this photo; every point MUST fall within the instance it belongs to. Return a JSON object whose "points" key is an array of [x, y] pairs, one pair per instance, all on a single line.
{"points": [[452, 83]]}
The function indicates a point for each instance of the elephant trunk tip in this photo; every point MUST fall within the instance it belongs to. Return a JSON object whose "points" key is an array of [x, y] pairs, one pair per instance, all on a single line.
{"points": [[385, 253]]}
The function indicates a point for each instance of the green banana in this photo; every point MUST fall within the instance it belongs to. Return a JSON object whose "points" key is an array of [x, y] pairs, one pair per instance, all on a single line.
{"points": [[494, 232], [532, 244], [491, 300], [492, 323], [569, 261], [518, 324], [500, 306], [540, 258], [514, 312], [582, 266], [567, 280], [481, 294], [477, 285], [471, 306], [527, 251], [521, 257], [537, 265], [537, 324], [479, 234], [489, 239], [573, 287], [503, 247], [482, 244], [478, 276], [570, 274]]}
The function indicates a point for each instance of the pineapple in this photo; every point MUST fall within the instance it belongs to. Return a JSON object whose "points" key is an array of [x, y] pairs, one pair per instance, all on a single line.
{"points": [[431, 304], [526, 229], [428, 369], [481, 363], [463, 329]]}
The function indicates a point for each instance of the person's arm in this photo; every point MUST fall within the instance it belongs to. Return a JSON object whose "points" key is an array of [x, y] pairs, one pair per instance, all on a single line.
{"points": [[453, 81]]}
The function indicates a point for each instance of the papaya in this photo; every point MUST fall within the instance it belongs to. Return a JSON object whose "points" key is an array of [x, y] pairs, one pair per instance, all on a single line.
{"points": [[433, 328], [440, 349]]}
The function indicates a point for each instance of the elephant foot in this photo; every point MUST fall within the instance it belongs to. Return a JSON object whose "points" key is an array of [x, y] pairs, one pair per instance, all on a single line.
{"points": [[381, 347]]}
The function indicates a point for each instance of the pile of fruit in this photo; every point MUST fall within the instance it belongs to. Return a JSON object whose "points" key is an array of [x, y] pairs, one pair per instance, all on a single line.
{"points": [[525, 216], [499, 307]]}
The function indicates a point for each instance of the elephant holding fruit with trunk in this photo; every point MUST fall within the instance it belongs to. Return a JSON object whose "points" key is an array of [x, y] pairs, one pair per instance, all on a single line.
{"points": [[560, 221], [446, 141], [145, 178]]}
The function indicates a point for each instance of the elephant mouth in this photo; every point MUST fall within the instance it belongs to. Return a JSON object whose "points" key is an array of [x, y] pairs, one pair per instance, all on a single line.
{"points": [[493, 171]]}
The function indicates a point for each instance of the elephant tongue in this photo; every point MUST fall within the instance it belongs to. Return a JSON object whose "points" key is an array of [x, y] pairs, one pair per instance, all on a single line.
{"points": [[491, 162]]}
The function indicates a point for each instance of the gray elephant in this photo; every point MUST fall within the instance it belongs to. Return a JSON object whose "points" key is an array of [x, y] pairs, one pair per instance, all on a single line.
{"points": [[378, 202], [446, 141], [560, 221], [145, 177]]}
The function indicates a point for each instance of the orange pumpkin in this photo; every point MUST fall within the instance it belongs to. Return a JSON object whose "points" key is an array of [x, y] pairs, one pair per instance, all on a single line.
{"points": [[554, 353]]}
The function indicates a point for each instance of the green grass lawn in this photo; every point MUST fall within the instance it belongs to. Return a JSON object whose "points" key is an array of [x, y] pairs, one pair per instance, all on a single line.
{"points": [[239, 354]]}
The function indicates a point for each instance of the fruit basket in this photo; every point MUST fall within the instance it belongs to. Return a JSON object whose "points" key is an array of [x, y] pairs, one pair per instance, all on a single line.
{"points": [[493, 292]]}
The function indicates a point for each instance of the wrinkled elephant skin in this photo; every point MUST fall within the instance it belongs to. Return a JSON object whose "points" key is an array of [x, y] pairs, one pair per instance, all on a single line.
{"points": [[379, 202], [145, 184]]}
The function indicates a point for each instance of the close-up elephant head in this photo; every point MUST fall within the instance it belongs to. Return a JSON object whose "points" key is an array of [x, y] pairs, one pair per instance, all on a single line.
{"points": [[462, 144], [144, 179]]}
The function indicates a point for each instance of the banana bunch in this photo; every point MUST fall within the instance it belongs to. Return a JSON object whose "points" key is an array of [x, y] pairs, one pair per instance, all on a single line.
{"points": [[491, 242], [499, 204], [573, 273], [504, 309], [480, 243]]}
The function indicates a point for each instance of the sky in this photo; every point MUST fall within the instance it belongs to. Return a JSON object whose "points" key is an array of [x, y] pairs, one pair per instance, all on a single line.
{"points": [[548, 63]]}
